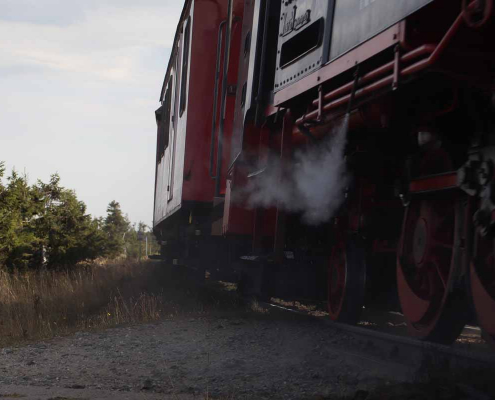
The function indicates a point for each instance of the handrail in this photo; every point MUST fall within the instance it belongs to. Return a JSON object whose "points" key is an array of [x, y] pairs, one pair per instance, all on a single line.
{"points": [[261, 83], [215, 96], [226, 58], [434, 56]]}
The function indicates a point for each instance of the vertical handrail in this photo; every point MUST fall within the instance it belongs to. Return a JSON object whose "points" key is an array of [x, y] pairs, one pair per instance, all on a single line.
{"points": [[226, 58], [215, 97], [261, 83]]}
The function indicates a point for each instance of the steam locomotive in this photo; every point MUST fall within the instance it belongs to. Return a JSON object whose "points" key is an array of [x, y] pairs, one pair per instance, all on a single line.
{"points": [[400, 95]]}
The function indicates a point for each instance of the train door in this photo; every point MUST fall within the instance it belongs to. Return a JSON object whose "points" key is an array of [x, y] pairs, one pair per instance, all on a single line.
{"points": [[173, 134], [179, 101], [171, 141]]}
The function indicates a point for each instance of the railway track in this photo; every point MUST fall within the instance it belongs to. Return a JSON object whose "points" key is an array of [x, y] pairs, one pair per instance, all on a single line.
{"points": [[382, 337], [423, 358]]}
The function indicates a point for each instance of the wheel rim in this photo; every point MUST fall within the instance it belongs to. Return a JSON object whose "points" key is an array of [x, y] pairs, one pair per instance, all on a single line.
{"points": [[482, 279], [337, 276], [425, 262]]}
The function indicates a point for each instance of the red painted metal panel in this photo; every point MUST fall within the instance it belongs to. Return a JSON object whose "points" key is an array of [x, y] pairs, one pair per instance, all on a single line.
{"points": [[237, 218], [208, 14]]}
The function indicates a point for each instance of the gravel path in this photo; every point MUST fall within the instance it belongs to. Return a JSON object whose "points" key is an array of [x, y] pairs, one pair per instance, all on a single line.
{"points": [[226, 356]]}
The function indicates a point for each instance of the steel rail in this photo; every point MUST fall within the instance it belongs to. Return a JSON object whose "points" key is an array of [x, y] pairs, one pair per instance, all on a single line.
{"points": [[395, 346]]}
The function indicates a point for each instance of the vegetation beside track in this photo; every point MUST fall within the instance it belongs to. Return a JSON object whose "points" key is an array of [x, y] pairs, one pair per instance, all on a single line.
{"points": [[43, 304], [45, 226]]}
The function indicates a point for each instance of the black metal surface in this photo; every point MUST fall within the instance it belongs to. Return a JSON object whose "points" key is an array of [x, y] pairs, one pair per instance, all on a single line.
{"points": [[249, 70], [356, 21], [264, 49], [256, 68], [305, 27]]}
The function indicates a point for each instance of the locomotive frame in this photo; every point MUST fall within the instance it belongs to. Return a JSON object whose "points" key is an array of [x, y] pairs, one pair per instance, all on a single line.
{"points": [[414, 84]]}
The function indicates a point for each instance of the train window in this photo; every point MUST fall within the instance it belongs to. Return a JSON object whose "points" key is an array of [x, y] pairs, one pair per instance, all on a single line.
{"points": [[160, 148], [243, 96], [162, 116], [302, 43], [185, 66], [247, 44]]}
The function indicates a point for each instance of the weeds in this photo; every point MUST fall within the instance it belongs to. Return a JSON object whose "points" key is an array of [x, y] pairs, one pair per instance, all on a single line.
{"points": [[38, 305], [256, 307]]}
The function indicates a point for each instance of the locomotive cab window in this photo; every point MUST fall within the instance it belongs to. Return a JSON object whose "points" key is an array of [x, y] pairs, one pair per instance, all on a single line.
{"points": [[185, 66], [302, 43]]}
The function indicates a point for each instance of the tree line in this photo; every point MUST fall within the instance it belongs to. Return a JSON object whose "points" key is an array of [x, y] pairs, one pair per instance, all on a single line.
{"points": [[44, 225]]}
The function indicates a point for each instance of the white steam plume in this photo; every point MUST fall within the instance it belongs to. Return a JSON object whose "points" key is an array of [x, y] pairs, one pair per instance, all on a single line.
{"points": [[313, 185]]}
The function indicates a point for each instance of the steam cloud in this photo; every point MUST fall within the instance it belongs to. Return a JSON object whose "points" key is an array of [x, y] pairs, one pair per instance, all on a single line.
{"points": [[313, 185]]}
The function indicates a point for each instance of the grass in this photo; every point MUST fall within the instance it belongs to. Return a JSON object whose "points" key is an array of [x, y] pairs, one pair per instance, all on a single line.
{"points": [[41, 305]]}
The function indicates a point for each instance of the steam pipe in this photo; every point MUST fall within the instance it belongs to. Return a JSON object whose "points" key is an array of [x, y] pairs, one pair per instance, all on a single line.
{"points": [[420, 65], [425, 49], [215, 97], [474, 6], [226, 58], [446, 39]]}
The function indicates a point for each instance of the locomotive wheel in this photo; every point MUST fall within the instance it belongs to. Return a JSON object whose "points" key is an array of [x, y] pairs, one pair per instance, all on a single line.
{"points": [[427, 266], [347, 280], [482, 286]]}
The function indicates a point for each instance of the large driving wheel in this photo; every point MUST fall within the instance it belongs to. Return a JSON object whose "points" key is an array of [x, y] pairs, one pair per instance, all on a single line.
{"points": [[428, 270], [347, 280], [482, 283], [429, 260]]}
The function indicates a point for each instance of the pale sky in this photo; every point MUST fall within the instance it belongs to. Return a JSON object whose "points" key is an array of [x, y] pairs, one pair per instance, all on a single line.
{"points": [[79, 83]]}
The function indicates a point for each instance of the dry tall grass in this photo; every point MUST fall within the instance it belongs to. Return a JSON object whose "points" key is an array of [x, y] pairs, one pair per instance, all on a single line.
{"points": [[44, 304]]}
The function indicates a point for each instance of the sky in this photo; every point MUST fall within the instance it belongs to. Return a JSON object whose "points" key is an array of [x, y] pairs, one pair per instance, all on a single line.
{"points": [[79, 84]]}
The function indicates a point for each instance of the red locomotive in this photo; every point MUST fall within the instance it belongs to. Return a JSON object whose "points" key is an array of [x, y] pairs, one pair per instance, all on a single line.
{"points": [[342, 149]]}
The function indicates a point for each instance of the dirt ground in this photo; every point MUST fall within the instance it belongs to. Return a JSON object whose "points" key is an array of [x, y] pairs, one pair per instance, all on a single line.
{"points": [[221, 350]]}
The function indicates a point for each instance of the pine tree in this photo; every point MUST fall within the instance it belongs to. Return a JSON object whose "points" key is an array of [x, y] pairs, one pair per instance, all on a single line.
{"points": [[18, 241], [116, 227], [45, 225], [67, 233]]}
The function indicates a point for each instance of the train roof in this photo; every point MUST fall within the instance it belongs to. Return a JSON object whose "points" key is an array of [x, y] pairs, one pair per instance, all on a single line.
{"points": [[187, 5]]}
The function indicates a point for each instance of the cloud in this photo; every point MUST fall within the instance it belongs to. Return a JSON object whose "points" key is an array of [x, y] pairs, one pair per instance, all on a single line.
{"points": [[67, 12], [49, 12], [80, 82], [109, 45]]}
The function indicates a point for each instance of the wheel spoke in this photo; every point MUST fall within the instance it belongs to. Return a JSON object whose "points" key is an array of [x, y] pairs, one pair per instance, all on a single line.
{"points": [[433, 278], [428, 238], [439, 272]]}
